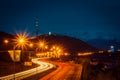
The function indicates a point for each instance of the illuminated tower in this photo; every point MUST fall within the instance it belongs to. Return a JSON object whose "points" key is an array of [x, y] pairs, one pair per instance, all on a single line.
{"points": [[36, 26]]}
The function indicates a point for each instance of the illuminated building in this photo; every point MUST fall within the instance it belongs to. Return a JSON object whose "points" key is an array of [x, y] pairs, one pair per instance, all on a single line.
{"points": [[112, 48]]}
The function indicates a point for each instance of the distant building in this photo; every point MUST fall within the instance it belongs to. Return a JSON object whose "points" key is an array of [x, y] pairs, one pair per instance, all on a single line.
{"points": [[15, 55], [112, 48]]}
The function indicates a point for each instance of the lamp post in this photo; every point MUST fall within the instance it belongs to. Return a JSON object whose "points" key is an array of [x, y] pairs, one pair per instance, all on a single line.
{"points": [[21, 41], [14, 60], [41, 45]]}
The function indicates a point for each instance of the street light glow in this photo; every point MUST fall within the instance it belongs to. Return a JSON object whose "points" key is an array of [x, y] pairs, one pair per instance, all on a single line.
{"points": [[46, 47], [41, 44], [21, 40], [56, 50], [6, 41], [31, 45]]}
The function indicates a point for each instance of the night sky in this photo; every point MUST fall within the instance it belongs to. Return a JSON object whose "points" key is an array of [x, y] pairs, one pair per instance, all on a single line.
{"points": [[85, 19]]}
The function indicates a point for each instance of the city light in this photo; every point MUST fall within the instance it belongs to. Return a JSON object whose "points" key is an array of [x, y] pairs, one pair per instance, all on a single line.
{"points": [[21, 41], [101, 51], [85, 53], [46, 47], [31, 44], [6, 41], [66, 54], [41, 44], [56, 51]]}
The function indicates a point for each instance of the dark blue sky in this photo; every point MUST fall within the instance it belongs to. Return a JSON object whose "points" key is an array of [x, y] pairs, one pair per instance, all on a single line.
{"points": [[85, 19]]}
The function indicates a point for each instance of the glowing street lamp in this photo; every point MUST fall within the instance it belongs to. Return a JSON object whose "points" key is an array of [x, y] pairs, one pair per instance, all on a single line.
{"points": [[21, 40], [41, 44], [46, 47], [66, 54], [6, 41], [31, 45]]}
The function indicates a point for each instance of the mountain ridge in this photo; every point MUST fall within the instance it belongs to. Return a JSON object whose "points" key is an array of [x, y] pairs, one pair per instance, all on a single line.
{"points": [[104, 43]]}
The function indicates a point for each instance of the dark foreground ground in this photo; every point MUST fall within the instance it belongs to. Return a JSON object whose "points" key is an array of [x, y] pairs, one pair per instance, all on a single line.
{"points": [[100, 71]]}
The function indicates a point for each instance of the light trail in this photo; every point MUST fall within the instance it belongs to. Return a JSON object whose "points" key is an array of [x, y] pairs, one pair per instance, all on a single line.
{"points": [[65, 71], [44, 66]]}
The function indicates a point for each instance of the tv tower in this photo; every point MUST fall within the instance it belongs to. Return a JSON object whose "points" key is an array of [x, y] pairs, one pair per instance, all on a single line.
{"points": [[36, 26]]}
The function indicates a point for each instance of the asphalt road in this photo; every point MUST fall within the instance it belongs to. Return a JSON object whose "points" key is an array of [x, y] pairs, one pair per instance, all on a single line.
{"points": [[65, 71]]}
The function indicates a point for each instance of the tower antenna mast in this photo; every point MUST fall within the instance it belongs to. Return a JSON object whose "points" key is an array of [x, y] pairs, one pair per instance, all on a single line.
{"points": [[36, 26]]}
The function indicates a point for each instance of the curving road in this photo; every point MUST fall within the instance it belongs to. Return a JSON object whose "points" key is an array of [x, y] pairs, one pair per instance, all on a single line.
{"points": [[44, 66], [65, 71]]}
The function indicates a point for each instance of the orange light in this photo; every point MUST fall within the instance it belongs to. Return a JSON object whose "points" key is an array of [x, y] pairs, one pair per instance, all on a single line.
{"points": [[66, 54], [41, 44], [46, 47], [21, 40], [85, 53], [53, 47], [6, 41], [57, 48], [109, 51], [31, 45]]}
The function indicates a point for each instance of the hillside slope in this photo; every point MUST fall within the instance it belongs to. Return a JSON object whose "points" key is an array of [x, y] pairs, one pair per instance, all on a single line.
{"points": [[72, 45]]}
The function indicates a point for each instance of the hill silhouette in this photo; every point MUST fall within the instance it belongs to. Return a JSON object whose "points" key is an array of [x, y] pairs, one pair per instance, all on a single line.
{"points": [[70, 44], [73, 45]]}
